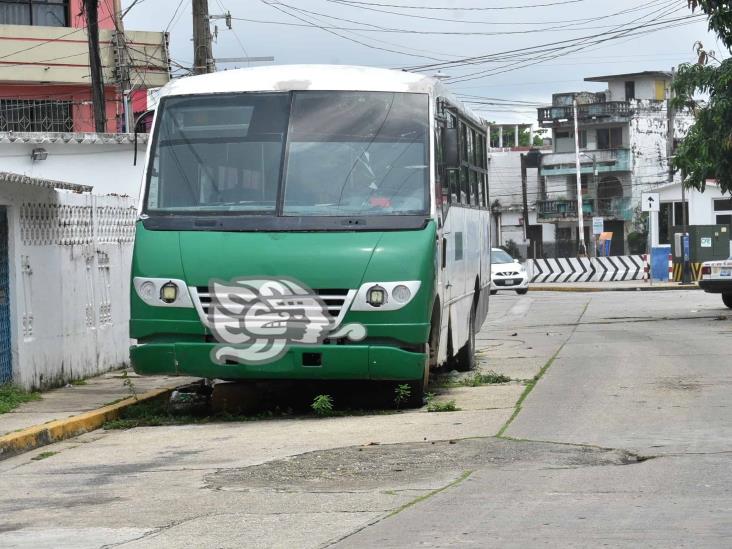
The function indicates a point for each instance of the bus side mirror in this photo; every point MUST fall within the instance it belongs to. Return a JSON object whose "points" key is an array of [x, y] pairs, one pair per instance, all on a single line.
{"points": [[141, 124], [450, 148]]}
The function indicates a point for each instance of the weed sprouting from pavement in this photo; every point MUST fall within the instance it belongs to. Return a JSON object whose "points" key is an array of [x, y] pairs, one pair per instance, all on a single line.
{"points": [[440, 406], [11, 397], [127, 382], [43, 455], [323, 405], [489, 378], [402, 394]]}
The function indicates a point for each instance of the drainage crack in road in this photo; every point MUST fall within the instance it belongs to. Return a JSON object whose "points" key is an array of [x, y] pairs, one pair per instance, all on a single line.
{"points": [[407, 505], [633, 320]]}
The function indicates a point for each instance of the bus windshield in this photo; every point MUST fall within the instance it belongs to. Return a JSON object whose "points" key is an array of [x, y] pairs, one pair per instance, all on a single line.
{"points": [[294, 154]]}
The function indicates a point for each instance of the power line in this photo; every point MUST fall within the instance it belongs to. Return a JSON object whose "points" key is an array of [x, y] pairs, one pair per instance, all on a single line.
{"points": [[451, 8]]}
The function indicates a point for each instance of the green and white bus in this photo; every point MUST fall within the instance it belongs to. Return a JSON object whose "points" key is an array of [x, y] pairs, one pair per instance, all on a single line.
{"points": [[365, 188]]}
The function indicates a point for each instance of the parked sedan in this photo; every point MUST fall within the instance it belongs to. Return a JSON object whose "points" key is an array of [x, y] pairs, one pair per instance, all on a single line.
{"points": [[507, 273], [716, 278]]}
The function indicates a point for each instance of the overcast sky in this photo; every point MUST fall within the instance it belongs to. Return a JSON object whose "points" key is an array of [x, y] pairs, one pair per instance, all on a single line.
{"points": [[417, 37]]}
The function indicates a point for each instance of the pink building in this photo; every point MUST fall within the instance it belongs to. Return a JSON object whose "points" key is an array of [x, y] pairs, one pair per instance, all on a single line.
{"points": [[45, 83]]}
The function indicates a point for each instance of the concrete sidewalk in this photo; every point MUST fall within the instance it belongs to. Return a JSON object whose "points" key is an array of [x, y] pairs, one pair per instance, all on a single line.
{"points": [[74, 409], [617, 286]]}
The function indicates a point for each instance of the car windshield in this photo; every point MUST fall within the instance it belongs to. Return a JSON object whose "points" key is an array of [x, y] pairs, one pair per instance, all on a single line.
{"points": [[499, 256], [300, 153]]}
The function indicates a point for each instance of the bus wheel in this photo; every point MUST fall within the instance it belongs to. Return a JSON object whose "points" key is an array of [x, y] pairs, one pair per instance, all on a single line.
{"points": [[727, 300], [418, 387], [465, 359]]}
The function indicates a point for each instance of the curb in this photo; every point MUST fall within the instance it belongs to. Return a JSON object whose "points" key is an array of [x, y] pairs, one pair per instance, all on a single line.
{"points": [[549, 288], [57, 430]]}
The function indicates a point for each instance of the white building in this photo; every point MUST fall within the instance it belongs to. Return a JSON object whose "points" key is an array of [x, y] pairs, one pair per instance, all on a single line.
{"points": [[506, 199], [625, 136], [67, 213]]}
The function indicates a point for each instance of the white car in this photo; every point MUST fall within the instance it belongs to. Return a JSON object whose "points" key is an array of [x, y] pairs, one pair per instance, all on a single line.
{"points": [[716, 278], [507, 273]]}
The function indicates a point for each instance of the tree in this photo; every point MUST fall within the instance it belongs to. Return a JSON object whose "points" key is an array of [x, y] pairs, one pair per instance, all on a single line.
{"points": [[706, 151]]}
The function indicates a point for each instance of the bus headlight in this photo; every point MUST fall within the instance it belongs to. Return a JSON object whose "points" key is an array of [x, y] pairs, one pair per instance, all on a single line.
{"points": [[162, 292], [401, 293], [376, 296], [385, 296], [168, 292]]}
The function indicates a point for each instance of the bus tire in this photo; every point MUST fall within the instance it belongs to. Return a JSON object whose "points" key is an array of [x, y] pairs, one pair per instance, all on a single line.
{"points": [[465, 359], [418, 387], [727, 299]]}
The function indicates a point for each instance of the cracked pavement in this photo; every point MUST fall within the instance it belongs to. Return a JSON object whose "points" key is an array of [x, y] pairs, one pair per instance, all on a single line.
{"points": [[571, 470]]}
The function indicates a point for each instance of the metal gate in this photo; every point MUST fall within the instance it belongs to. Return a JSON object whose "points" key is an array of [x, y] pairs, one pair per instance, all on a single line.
{"points": [[6, 366]]}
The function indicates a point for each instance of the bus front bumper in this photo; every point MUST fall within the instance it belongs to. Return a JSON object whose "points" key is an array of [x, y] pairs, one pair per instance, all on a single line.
{"points": [[335, 362]]}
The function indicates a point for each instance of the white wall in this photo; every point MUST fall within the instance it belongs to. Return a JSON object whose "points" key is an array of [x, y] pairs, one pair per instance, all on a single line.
{"points": [[106, 166], [69, 260], [701, 205], [504, 178]]}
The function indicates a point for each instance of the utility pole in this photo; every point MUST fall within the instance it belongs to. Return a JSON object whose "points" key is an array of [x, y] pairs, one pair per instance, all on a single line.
{"points": [[582, 249], [524, 198], [95, 65], [202, 51]]}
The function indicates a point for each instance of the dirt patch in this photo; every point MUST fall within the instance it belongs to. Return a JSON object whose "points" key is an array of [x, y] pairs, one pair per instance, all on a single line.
{"points": [[369, 467]]}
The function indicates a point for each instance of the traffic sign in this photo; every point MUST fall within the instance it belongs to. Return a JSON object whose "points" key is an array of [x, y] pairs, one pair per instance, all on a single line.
{"points": [[650, 202], [597, 225]]}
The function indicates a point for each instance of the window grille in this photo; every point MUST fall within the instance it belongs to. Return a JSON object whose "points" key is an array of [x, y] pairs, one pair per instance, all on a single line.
{"points": [[35, 115]]}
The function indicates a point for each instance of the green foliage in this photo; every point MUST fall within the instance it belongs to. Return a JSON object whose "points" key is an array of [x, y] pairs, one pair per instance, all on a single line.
{"points": [[448, 406], [706, 151], [11, 397], [323, 405], [43, 455], [488, 378], [402, 394]]}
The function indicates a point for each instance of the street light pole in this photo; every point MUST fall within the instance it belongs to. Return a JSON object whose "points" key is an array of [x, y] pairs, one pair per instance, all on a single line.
{"points": [[582, 250]]}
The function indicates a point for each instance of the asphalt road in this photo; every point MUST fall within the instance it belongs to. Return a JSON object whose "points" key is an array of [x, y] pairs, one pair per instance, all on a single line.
{"points": [[624, 441]]}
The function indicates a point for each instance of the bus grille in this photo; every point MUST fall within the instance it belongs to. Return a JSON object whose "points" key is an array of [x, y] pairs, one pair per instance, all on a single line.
{"points": [[336, 300]]}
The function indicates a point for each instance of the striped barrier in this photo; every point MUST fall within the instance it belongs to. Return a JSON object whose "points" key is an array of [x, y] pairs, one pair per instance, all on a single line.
{"points": [[593, 269], [678, 271]]}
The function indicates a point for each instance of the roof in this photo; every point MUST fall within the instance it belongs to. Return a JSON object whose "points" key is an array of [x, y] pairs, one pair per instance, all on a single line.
{"points": [[310, 77], [645, 74], [72, 137], [302, 77], [8, 177]]}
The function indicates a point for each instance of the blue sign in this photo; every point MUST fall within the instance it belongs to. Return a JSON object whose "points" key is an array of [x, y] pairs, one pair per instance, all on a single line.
{"points": [[686, 247]]}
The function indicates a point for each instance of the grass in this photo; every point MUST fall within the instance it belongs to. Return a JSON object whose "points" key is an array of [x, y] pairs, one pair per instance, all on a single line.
{"points": [[476, 380], [43, 455], [322, 405], [78, 382], [11, 397], [445, 406]]}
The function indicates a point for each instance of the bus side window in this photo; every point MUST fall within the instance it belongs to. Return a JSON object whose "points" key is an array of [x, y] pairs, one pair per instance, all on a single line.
{"points": [[454, 187], [474, 188], [481, 193], [464, 186]]}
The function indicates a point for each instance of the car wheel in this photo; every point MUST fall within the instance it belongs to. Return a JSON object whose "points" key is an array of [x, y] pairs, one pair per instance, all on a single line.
{"points": [[522, 291], [465, 359], [494, 292], [727, 300]]}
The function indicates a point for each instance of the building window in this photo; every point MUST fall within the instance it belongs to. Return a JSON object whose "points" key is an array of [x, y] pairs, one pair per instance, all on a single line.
{"points": [[44, 13], [35, 115], [722, 205], [610, 138], [724, 219], [629, 90]]}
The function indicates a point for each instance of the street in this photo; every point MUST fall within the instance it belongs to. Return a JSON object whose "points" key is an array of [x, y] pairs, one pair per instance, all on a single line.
{"points": [[615, 432]]}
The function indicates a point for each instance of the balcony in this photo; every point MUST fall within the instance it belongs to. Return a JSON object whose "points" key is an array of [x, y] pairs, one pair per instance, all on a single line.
{"points": [[609, 111], [606, 160], [549, 211]]}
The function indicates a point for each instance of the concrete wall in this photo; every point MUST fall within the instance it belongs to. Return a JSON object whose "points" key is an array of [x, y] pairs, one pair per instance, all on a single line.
{"points": [[101, 162], [69, 259]]}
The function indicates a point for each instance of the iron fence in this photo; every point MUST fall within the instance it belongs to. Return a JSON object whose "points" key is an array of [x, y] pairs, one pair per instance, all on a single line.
{"points": [[36, 115]]}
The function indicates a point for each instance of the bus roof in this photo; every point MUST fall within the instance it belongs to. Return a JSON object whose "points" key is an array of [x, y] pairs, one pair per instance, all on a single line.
{"points": [[311, 77]]}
